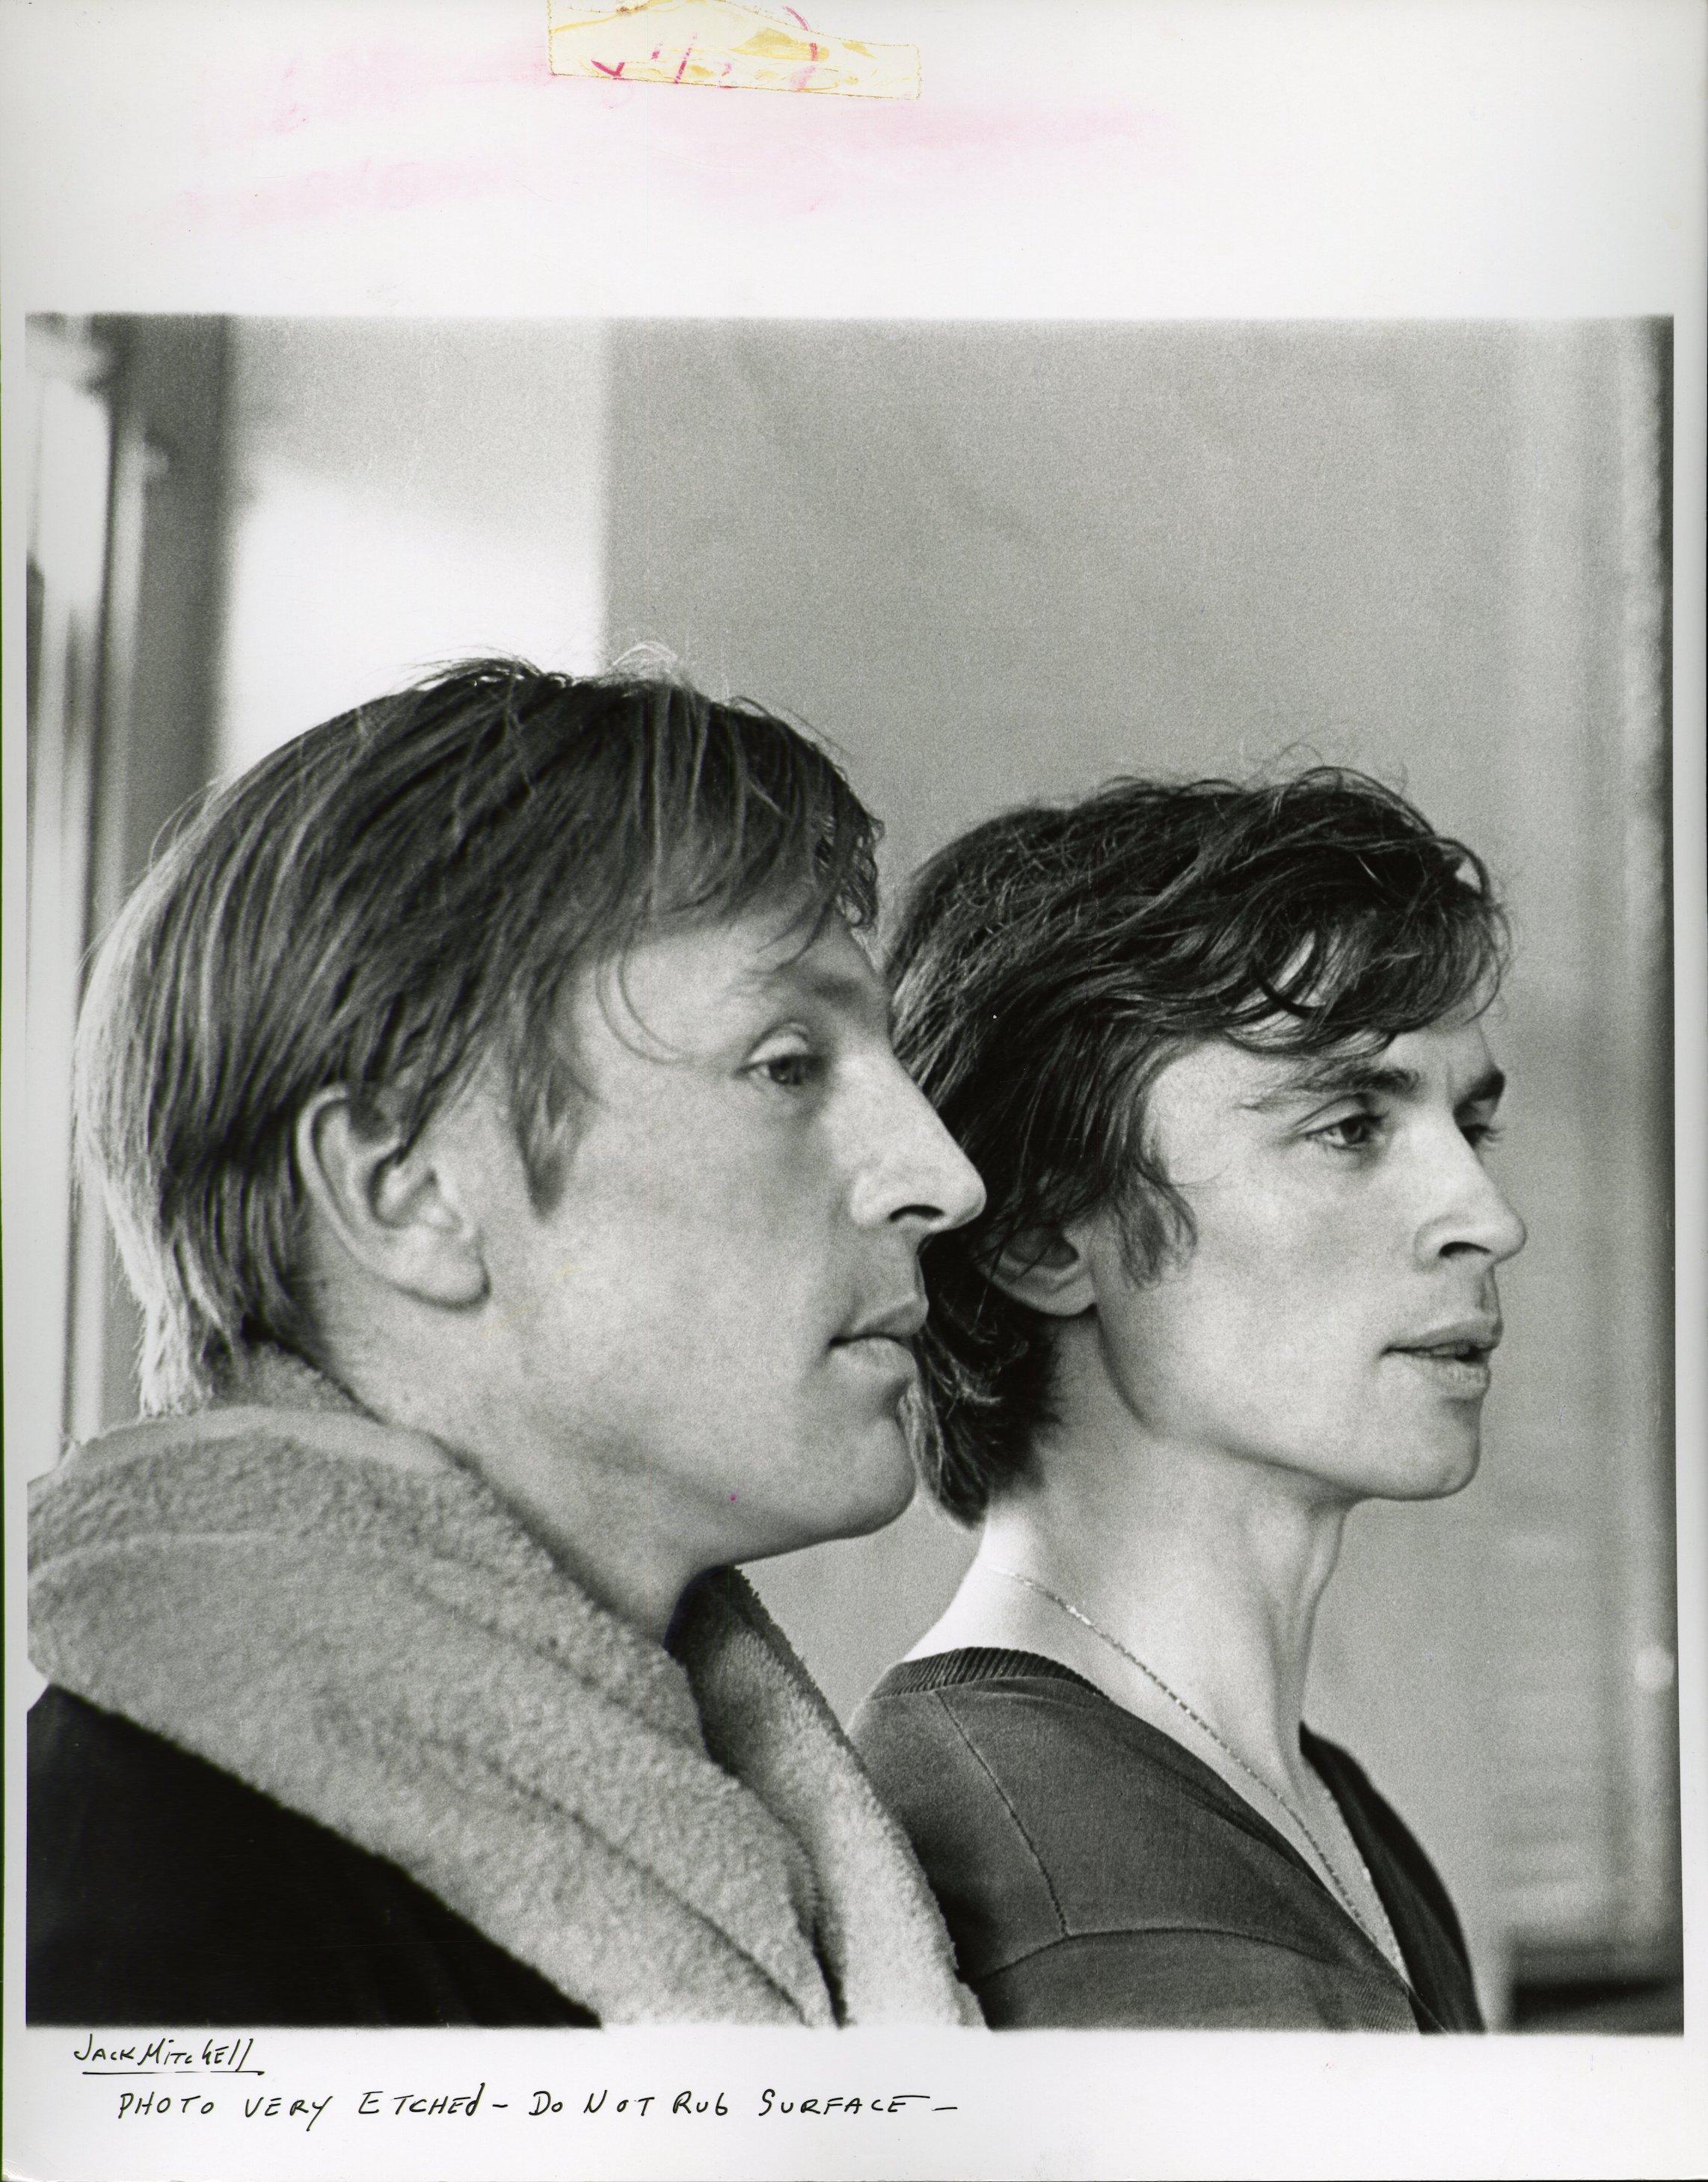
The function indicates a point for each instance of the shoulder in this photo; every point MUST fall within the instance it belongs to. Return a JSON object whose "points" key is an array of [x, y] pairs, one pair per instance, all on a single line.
{"points": [[1092, 1870], [1121, 1825], [162, 1889], [960, 1764]]}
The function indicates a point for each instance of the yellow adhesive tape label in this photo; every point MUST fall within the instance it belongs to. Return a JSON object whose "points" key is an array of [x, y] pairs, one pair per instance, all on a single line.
{"points": [[725, 44]]}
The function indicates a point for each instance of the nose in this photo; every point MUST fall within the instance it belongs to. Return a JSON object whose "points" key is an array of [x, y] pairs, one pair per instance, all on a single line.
{"points": [[1471, 1215], [911, 1171]]}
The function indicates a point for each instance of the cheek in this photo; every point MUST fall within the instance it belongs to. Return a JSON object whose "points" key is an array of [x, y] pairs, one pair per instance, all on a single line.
{"points": [[1269, 1304], [1284, 1257], [727, 1207]]}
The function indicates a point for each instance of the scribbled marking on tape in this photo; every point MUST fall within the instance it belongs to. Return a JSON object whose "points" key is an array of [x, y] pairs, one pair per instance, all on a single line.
{"points": [[725, 44]]}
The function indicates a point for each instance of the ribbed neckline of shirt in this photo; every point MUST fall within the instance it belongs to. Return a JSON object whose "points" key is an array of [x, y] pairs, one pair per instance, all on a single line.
{"points": [[976, 1663]]}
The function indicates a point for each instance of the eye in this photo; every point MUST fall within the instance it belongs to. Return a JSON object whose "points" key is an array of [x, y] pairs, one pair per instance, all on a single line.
{"points": [[1355, 1131], [795, 1070], [1479, 1135]]}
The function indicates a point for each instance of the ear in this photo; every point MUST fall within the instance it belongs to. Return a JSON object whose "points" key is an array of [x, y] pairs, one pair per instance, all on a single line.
{"points": [[396, 1212], [1047, 1270]]}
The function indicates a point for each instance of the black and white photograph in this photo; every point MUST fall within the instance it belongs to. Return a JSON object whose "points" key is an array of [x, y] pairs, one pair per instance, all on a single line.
{"points": [[845, 1153]]}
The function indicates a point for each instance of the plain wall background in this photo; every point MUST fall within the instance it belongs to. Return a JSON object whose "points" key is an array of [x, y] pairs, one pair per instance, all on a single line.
{"points": [[402, 492]]}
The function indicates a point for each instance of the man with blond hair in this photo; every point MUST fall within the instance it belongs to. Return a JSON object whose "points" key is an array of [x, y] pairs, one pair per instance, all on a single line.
{"points": [[497, 1115]]}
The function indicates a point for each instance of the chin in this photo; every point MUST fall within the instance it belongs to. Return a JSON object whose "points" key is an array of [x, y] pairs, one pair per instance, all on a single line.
{"points": [[1434, 1473], [874, 1481], [888, 1481]]}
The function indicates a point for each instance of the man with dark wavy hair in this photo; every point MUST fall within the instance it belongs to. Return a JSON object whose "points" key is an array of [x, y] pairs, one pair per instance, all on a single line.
{"points": [[1218, 1054], [502, 1130]]}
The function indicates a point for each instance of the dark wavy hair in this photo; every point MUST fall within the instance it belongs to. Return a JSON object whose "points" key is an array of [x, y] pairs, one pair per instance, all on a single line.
{"points": [[382, 904], [1051, 963]]}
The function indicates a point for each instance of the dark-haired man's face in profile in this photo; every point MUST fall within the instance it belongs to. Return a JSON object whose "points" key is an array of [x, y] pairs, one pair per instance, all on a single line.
{"points": [[1336, 1314], [717, 1312]]}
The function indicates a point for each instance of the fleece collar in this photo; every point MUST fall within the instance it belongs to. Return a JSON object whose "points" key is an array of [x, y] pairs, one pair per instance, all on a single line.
{"points": [[344, 1616]]}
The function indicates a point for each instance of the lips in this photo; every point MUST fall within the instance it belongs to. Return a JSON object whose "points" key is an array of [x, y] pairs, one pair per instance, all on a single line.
{"points": [[1464, 1341], [1453, 1359], [878, 1346], [900, 1321]]}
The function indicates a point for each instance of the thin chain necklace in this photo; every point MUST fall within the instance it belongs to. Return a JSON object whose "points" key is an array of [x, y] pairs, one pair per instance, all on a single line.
{"points": [[1067, 1607]]}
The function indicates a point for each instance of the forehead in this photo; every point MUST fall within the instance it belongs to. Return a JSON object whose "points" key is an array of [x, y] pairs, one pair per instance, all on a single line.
{"points": [[697, 986], [1448, 1062]]}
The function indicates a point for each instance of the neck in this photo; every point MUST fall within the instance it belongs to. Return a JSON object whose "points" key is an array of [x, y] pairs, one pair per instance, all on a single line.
{"points": [[1206, 1568], [607, 1527]]}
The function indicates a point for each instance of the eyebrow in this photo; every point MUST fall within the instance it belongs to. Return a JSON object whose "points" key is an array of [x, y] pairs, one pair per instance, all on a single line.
{"points": [[843, 989], [1345, 1076]]}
